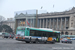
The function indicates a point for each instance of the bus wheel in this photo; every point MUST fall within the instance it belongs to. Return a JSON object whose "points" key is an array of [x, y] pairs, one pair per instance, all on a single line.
{"points": [[34, 42], [62, 41], [45, 42], [27, 41], [37, 41], [53, 42]]}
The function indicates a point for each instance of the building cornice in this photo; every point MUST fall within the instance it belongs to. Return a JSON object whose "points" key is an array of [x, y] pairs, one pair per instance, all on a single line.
{"points": [[72, 11]]}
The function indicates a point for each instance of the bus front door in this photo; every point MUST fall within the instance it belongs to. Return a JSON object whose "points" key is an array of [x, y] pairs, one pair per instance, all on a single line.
{"points": [[44, 38]]}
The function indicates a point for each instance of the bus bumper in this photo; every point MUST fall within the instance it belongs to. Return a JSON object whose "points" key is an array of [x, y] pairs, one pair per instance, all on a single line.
{"points": [[22, 39]]}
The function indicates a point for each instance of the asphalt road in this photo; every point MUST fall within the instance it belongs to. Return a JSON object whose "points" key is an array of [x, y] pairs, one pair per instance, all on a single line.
{"points": [[12, 44]]}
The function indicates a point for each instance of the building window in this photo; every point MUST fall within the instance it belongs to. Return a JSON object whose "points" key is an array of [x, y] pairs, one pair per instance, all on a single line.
{"points": [[71, 24], [71, 33], [66, 33], [66, 27], [62, 33]]}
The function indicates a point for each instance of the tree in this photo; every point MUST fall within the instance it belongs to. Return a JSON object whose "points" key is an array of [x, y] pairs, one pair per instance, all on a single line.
{"points": [[7, 28], [1, 28]]}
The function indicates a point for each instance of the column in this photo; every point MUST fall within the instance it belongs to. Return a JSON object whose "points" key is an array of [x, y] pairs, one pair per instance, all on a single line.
{"points": [[26, 21], [33, 22], [43, 23], [49, 23], [40, 23], [70, 22], [46, 22], [61, 24], [53, 24], [64, 33], [65, 22], [57, 23]]}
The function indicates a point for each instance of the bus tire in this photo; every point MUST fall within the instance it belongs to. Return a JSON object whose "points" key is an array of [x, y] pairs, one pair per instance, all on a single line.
{"points": [[37, 40], [53, 42], [27, 41], [45, 42], [62, 41], [34, 42]]}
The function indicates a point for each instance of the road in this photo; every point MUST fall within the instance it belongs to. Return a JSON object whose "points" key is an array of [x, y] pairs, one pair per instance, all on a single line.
{"points": [[12, 44]]}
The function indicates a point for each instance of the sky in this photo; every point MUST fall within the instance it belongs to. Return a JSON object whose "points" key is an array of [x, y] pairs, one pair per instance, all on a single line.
{"points": [[8, 7]]}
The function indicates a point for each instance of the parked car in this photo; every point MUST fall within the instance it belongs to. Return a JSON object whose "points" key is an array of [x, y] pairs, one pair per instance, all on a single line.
{"points": [[5, 35], [11, 36], [72, 38], [65, 40], [1, 33]]}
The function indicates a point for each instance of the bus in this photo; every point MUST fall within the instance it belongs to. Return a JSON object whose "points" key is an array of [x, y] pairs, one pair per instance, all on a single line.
{"points": [[36, 35], [72, 37]]}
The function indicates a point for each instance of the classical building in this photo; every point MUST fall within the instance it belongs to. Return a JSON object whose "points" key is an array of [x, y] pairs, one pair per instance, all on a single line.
{"points": [[27, 18], [61, 21], [10, 22]]}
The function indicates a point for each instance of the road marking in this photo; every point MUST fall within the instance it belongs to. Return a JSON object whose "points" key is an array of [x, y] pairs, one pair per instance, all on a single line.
{"points": [[65, 44]]}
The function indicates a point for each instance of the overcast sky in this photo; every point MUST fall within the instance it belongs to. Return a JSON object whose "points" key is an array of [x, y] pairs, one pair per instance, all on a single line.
{"points": [[8, 7]]}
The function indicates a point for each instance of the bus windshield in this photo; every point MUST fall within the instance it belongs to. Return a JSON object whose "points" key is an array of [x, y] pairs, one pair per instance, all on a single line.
{"points": [[20, 32]]}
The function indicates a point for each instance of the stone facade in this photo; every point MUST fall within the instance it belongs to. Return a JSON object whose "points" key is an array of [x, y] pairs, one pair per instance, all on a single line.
{"points": [[60, 21], [22, 19]]}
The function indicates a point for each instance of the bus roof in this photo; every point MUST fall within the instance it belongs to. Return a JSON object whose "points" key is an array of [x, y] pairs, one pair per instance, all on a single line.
{"points": [[45, 29], [41, 29]]}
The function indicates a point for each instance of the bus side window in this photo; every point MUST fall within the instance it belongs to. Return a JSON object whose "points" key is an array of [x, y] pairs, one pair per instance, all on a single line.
{"points": [[39, 33], [44, 34], [32, 33]]}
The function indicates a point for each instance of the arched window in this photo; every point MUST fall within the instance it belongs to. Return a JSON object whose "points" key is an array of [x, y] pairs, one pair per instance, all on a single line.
{"points": [[62, 33], [66, 33], [71, 33]]}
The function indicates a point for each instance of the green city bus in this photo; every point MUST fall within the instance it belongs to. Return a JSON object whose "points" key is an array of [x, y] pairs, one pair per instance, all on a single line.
{"points": [[35, 35]]}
